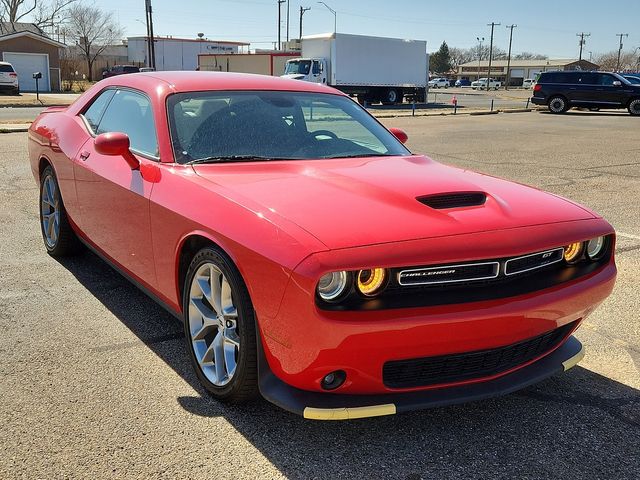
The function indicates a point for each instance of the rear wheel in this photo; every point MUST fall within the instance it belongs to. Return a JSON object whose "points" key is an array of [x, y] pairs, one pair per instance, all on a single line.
{"points": [[59, 238], [634, 107], [219, 327], [558, 104], [392, 96]]}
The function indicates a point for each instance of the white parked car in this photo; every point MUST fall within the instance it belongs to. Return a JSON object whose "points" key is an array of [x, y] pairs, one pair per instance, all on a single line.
{"points": [[482, 84], [8, 78], [528, 83], [438, 83]]}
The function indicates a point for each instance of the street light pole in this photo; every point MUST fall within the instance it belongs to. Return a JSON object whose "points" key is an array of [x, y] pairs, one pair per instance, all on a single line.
{"points": [[480, 40], [335, 17]]}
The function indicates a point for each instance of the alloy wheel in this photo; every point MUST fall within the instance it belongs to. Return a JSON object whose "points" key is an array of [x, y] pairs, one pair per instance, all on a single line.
{"points": [[213, 322], [50, 211]]}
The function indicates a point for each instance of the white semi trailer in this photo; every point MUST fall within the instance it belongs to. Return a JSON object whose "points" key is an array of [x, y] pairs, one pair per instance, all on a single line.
{"points": [[374, 69]]}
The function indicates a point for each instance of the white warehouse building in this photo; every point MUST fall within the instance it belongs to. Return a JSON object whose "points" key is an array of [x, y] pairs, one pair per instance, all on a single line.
{"points": [[177, 53]]}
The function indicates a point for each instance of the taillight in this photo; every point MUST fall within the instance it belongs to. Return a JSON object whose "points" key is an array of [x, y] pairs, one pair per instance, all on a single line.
{"points": [[537, 87], [13, 74]]}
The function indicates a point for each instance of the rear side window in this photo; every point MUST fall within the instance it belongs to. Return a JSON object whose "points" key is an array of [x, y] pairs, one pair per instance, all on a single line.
{"points": [[6, 69], [94, 113], [130, 112], [131, 69]]}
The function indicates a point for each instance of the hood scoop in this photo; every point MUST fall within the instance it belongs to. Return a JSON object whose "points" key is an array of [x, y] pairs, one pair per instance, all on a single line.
{"points": [[442, 201]]}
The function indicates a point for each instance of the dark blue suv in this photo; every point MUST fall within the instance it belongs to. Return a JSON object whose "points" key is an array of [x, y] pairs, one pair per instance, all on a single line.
{"points": [[560, 91]]}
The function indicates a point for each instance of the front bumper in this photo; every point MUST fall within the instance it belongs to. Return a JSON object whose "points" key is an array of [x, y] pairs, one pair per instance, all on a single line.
{"points": [[328, 406]]}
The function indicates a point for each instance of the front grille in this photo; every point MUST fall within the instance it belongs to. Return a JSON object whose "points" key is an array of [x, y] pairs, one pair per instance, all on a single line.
{"points": [[449, 273], [453, 200], [422, 372]]}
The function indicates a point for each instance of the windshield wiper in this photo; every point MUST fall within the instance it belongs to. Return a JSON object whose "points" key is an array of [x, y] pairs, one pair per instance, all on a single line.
{"points": [[231, 158]]}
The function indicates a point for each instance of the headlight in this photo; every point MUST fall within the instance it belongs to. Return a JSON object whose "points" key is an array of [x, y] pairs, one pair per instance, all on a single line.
{"points": [[371, 282], [332, 285], [572, 252], [596, 248]]}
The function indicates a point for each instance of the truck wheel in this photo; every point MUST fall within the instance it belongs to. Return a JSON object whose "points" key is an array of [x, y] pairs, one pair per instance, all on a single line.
{"points": [[391, 97]]}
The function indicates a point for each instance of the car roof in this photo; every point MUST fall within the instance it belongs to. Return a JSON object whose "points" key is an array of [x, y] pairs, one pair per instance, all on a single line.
{"points": [[188, 81], [5, 63]]}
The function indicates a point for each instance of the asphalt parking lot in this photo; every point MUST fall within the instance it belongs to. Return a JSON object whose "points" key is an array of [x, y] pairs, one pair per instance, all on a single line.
{"points": [[96, 381]]}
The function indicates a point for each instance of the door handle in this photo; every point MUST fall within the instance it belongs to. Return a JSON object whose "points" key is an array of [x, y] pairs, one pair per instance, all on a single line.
{"points": [[84, 155]]}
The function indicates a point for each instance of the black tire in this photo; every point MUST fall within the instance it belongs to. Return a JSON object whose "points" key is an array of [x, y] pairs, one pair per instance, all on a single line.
{"points": [[594, 109], [634, 107], [243, 386], [391, 97], [66, 242], [558, 104]]}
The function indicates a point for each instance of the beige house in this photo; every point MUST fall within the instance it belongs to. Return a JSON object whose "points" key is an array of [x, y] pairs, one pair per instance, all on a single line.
{"points": [[519, 69], [29, 50]]}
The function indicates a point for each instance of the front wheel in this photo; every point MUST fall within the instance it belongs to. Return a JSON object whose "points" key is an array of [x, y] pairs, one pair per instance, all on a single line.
{"points": [[634, 107], [558, 105], [219, 325]]}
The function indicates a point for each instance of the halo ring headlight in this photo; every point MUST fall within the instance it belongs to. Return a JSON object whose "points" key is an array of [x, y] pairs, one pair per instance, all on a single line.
{"points": [[371, 282], [332, 285], [596, 248], [573, 252]]}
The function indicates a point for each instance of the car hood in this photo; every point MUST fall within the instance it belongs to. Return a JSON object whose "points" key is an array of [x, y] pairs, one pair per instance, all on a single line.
{"points": [[356, 202], [293, 76]]}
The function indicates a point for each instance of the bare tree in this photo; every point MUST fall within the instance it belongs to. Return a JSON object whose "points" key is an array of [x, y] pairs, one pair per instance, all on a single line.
{"points": [[44, 13], [460, 56], [609, 61], [530, 56], [95, 30]]}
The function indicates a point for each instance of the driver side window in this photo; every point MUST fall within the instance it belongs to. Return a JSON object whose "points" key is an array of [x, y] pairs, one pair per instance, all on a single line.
{"points": [[127, 112]]}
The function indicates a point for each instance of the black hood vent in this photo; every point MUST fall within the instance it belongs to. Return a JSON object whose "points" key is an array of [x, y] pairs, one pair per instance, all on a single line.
{"points": [[441, 201]]}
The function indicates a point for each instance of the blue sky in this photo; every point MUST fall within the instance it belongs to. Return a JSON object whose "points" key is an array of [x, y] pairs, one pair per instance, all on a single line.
{"points": [[544, 26]]}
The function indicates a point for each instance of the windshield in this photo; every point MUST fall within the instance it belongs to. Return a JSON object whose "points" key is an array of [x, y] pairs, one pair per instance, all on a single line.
{"points": [[298, 67], [266, 125]]}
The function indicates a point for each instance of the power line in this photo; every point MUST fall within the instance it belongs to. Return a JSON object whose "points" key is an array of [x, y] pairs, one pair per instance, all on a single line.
{"points": [[582, 42], [506, 84]]}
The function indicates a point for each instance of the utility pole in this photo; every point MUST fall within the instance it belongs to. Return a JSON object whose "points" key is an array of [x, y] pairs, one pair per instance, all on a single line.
{"points": [[506, 85], [152, 42], [492, 24], [335, 17], [287, 23], [302, 10], [146, 22], [480, 40], [280, 2], [582, 42], [621, 35]]}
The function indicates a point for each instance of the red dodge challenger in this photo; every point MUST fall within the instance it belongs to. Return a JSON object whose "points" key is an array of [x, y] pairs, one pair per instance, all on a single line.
{"points": [[311, 257]]}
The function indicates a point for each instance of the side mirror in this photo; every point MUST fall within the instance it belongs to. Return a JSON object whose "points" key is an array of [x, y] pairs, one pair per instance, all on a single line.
{"points": [[116, 143], [399, 134], [617, 83]]}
